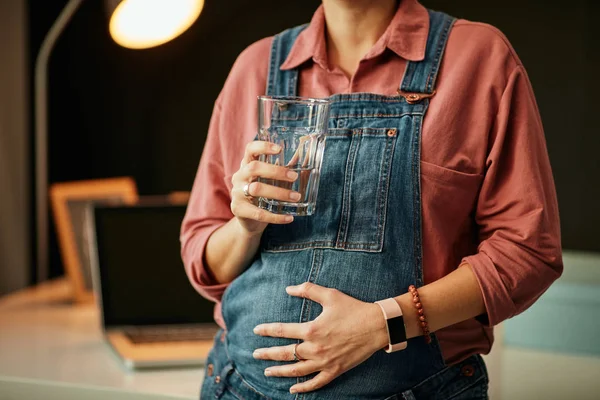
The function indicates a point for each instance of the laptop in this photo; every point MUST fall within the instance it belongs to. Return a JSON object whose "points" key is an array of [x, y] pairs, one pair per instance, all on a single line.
{"points": [[151, 316]]}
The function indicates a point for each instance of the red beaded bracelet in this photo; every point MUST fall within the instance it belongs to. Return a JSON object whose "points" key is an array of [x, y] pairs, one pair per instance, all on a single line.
{"points": [[422, 318]]}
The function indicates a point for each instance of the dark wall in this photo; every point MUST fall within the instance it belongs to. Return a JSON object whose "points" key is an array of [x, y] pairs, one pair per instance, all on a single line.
{"points": [[145, 113]]}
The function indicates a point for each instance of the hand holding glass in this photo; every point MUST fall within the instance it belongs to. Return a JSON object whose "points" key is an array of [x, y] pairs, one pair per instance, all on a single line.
{"points": [[298, 126]]}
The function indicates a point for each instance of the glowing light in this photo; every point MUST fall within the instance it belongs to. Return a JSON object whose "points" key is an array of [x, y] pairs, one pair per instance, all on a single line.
{"points": [[139, 24]]}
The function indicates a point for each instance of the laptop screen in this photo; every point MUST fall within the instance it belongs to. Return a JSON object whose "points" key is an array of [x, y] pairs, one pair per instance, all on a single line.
{"points": [[142, 277]]}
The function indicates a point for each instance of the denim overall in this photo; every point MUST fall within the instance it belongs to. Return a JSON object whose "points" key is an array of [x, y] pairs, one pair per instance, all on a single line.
{"points": [[364, 239]]}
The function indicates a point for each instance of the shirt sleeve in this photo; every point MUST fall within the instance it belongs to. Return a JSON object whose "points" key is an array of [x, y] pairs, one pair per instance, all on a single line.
{"points": [[519, 252], [208, 209], [231, 127]]}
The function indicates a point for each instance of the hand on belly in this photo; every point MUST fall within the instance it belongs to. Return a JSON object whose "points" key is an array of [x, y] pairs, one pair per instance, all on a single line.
{"points": [[347, 332]]}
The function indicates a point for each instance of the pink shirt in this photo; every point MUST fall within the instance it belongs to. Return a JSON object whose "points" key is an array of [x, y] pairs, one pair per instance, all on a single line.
{"points": [[488, 195]]}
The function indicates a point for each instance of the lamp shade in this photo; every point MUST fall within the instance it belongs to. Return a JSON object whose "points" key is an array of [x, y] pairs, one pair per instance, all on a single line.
{"points": [[140, 24]]}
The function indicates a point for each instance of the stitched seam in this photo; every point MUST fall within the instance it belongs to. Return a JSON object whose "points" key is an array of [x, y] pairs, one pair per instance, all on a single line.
{"points": [[306, 305], [276, 71], [415, 154], [381, 220], [333, 116], [409, 74], [380, 195], [306, 312], [367, 247], [342, 227], [348, 179], [366, 131], [431, 63], [332, 242], [379, 115], [243, 381], [376, 115], [414, 204], [226, 348], [381, 135], [317, 270], [271, 65], [371, 132], [366, 97], [350, 185], [348, 243], [292, 82], [429, 67], [442, 45], [400, 86]]}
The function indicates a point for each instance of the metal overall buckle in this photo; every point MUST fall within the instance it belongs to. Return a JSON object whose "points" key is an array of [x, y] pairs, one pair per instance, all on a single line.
{"points": [[413, 98]]}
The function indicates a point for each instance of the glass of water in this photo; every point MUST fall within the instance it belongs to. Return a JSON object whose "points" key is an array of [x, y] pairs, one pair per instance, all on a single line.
{"points": [[298, 125]]}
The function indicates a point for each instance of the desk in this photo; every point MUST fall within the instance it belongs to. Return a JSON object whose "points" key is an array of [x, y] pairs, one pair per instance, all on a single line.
{"points": [[53, 350]]}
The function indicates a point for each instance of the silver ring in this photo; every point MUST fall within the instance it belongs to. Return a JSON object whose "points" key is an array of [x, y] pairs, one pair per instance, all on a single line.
{"points": [[296, 358], [246, 191]]}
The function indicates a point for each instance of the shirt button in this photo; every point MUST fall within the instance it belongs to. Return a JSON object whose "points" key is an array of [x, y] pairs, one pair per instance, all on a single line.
{"points": [[210, 369], [467, 370], [217, 379]]}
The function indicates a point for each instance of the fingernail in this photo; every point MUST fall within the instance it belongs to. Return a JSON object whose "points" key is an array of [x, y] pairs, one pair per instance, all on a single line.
{"points": [[267, 372], [292, 175], [295, 196], [275, 147], [257, 353], [293, 390], [289, 218], [256, 329]]}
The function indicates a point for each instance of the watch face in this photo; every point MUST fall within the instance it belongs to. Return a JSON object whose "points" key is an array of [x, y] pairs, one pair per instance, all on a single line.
{"points": [[397, 330]]}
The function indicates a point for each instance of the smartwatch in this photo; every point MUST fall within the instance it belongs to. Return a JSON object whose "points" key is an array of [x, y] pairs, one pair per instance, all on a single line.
{"points": [[395, 324]]}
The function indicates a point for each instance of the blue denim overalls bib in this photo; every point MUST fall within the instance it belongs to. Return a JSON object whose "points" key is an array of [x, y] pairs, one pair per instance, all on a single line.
{"points": [[364, 239]]}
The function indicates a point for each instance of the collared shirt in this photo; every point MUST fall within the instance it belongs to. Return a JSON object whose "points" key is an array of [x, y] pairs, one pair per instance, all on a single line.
{"points": [[488, 195]]}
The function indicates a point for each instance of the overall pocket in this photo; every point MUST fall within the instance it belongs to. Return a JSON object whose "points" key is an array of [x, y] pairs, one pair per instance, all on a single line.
{"points": [[352, 198]]}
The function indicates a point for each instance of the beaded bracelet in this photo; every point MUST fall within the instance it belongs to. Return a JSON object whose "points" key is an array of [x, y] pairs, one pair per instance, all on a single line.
{"points": [[422, 319]]}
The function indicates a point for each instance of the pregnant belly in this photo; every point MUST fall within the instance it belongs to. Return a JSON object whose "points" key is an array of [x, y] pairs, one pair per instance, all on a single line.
{"points": [[258, 296]]}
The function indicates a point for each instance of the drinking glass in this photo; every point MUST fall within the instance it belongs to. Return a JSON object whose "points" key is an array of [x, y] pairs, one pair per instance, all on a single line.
{"points": [[298, 125]]}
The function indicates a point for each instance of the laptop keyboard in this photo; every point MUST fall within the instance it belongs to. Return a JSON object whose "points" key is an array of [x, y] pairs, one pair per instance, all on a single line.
{"points": [[170, 334]]}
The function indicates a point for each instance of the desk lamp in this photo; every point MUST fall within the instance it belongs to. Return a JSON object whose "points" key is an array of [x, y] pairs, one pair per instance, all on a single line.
{"points": [[135, 24]]}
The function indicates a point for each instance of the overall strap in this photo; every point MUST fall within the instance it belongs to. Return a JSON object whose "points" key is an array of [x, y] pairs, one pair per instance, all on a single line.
{"points": [[420, 76], [283, 83]]}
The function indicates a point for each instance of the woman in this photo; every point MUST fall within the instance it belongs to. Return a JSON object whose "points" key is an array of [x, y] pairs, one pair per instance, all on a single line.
{"points": [[439, 146]]}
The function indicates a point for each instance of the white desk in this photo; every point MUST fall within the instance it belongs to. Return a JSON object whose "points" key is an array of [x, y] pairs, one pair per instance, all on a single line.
{"points": [[51, 349]]}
